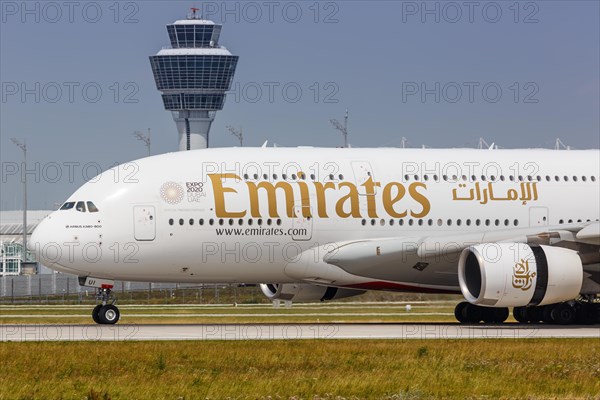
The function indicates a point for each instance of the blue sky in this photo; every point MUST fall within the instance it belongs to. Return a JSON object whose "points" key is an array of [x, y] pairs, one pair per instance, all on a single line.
{"points": [[518, 74]]}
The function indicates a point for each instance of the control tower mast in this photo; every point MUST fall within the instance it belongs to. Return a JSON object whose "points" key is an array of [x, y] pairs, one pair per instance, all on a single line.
{"points": [[193, 76]]}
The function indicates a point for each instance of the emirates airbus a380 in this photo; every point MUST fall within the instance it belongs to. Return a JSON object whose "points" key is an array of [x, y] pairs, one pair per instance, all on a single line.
{"points": [[506, 228]]}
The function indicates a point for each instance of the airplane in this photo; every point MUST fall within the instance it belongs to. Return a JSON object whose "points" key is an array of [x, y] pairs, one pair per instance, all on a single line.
{"points": [[506, 228]]}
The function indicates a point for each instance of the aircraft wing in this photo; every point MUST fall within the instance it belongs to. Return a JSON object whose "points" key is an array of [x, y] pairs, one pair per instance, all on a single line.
{"points": [[387, 258]]}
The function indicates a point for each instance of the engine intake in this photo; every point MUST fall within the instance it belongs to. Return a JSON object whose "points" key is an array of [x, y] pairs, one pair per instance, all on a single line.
{"points": [[305, 292], [517, 274]]}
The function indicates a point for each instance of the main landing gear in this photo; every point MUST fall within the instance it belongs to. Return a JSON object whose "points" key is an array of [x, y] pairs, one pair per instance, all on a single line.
{"points": [[584, 311], [467, 313], [105, 312]]}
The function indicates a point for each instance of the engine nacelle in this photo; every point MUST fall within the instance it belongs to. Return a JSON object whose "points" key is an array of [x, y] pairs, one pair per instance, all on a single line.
{"points": [[305, 292], [517, 274]]}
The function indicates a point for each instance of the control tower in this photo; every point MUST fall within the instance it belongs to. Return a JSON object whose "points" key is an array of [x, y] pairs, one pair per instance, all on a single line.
{"points": [[193, 76]]}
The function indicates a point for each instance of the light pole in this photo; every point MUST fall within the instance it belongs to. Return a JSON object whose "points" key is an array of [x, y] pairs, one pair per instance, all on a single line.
{"points": [[144, 138], [23, 147], [342, 128], [238, 133]]}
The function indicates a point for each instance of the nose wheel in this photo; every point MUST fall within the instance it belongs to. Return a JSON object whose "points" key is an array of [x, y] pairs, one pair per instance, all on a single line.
{"points": [[106, 313]]}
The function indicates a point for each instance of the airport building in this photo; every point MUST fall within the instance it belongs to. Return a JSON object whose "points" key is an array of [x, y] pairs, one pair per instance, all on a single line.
{"points": [[11, 242], [193, 75]]}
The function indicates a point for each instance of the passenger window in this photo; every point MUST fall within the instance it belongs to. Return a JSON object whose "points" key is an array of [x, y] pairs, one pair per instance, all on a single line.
{"points": [[68, 206], [80, 206], [92, 207]]}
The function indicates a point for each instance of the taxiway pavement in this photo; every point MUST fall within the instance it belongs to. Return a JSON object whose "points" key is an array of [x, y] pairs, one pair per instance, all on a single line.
{"points": [[284, 331]]}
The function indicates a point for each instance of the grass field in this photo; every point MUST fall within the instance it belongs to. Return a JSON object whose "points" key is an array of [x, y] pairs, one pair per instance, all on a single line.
{"points": [[415, 369], [437, 311]]}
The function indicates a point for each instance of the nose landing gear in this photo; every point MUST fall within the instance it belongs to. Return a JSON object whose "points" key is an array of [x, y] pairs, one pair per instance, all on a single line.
{"points": [[105, 312]]}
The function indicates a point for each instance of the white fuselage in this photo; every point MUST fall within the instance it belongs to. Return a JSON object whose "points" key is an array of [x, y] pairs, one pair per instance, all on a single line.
{"points": [[245, 214]]}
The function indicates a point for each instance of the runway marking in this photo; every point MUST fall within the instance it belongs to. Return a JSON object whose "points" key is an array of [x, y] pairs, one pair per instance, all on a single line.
{"points": [[135, 332]]}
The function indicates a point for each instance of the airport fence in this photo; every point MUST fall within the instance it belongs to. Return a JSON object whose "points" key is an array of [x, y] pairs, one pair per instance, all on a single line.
{"points": [[65, 288]]}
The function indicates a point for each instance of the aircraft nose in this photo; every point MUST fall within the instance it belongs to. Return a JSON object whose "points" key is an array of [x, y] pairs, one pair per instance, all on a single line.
{"points": [[40, 242]]}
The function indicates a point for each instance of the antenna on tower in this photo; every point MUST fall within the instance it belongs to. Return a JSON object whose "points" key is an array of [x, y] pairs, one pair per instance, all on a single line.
{"points": [[342, 128], [559, 144], [143, 138], [238, 133], [194, 12]]}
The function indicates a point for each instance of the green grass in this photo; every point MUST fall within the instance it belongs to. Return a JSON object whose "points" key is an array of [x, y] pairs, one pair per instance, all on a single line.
{"points": [[441, 311], [395, 369]]}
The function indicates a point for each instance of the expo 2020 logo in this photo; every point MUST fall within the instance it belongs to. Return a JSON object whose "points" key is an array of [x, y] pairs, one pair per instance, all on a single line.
{"points": [[171, 192]]}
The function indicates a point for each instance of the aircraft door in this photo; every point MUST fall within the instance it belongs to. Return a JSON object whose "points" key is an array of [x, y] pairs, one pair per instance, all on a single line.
{"points": [[538, 216], [144, 223], [302, 223]]}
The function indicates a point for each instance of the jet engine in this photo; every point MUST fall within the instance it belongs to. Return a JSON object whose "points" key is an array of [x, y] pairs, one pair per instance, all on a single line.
{"points": [[517, 274], [299, 292]]}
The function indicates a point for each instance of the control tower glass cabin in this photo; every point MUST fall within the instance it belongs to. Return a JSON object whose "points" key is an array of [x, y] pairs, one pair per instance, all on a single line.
{"points": [[193, 76]]}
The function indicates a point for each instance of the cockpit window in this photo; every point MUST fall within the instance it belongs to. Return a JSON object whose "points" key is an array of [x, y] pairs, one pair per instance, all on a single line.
{"points": [[68, 205], [92, 207], [80, 206]]}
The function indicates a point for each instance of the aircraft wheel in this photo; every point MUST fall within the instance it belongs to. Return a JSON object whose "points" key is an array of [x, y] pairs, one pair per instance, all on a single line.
{"points": [[473, 313], [520, 314], [109, 314], [497, 315], [95, 314], [563, 314], [586, 314], [547, 314], [459, 312], [535, 314]]}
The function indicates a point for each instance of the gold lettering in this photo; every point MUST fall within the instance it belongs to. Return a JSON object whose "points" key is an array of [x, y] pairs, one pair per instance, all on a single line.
{"points": [[352, 196], [271, 198], [219, 194], [304, 197], [421, 199], [321, 198], [370, 186], [388, 201]]}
